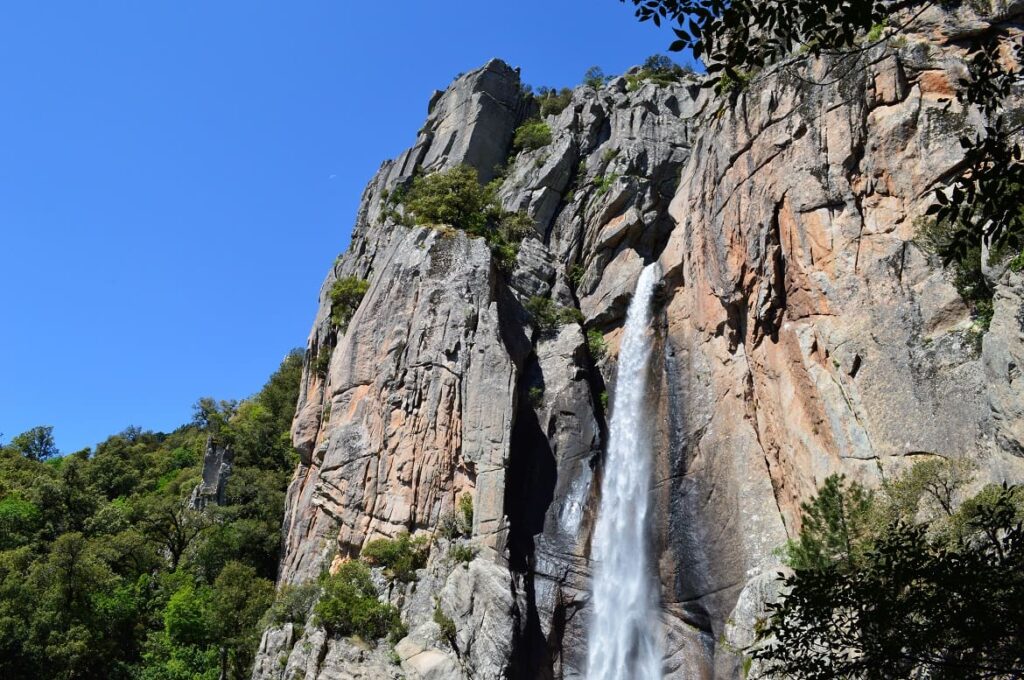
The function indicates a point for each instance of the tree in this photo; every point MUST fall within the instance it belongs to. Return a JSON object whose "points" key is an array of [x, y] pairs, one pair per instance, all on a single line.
{"points": [[836, 527], [240, 598], [174, 527], [37, 443], [595, 77], [913, 607]]}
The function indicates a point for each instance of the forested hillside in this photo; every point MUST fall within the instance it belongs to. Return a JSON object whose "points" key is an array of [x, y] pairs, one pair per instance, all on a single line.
{"points": [[110, 569]]}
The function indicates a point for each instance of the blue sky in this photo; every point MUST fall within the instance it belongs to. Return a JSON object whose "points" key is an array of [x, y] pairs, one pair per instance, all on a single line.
{"points": [[176, 177]]}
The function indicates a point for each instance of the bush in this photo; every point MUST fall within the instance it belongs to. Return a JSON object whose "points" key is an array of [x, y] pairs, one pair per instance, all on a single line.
{"points": [[466, 510], [553, 103], [604, 183], [536, 396], [445, 623], [455, 198], [548, 316], [323, 360], [659, 70], [452, 197], [292, 604], [463, 554], [350, 605], [346, 294], [532, 135], [504, 241], [576, 275], [934, 237], [400, 557], [459, 523], [596, 344]]}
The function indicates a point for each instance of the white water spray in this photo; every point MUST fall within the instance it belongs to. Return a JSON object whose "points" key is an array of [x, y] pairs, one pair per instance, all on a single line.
{"points": [[623, 639]]}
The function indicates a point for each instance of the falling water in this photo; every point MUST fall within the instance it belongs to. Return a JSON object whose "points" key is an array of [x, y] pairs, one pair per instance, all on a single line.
{"points": [[623, 639]]}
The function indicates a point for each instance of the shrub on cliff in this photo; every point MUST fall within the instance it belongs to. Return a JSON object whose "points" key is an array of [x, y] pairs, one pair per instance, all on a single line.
{"points": [[292, 604], [456, 198], [553, 102], [937, 237], [453, 197], [659, 70], [531, 135], [350, 605], [400, 556], [547, 315], [346, 294], [596, 344]]}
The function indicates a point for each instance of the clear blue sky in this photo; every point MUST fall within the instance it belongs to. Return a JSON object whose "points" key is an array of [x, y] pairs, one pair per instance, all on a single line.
{"points": [[176, 177]]}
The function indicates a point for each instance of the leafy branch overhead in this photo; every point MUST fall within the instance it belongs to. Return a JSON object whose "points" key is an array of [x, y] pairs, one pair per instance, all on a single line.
{"points": [[738, 38]]}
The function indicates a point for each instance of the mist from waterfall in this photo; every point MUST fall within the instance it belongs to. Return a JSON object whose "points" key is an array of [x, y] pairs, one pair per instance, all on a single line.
{"points": [[623, 637]]}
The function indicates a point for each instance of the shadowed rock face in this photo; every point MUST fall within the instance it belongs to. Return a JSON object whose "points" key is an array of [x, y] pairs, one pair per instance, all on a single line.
{"points": [[799, 332]]}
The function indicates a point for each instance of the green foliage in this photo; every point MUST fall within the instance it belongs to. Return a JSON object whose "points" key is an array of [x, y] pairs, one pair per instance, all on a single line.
{"points": [[188, 617], [576, 273], [453, 197], [535, 395], [604, 183], [323, 361], [106, 574], [938, 237], [595, 78], [459, 523], [462, 553], [929, 490], [445, 623], [19, 520], [36, 444], [657, 69], [547, 316], [292, 604], [553, 102], [466, 511], [911, 606], [910, 582], [400, 556], [876, 33], [531, 135], [350, 605], [836, 527], [603, 398], [596, 344], [346, 294]]}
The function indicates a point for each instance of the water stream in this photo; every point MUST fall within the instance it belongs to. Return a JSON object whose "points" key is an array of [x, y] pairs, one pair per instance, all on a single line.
{"points": [[623, 636]]}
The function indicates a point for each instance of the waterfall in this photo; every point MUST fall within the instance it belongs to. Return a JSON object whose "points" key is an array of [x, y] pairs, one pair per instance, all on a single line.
{"points": [[623, 637]]}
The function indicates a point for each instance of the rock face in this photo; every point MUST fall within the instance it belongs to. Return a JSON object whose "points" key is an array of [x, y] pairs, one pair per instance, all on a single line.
{"points": [[800, 332], [217, 460]]}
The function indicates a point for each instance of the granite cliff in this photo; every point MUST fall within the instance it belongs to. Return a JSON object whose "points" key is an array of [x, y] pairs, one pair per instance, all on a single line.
{"points": [[799, 332]]}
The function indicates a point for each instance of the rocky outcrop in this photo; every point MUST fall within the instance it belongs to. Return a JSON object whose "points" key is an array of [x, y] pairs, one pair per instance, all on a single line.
{"points": [[800, 332], [217, 460]]}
